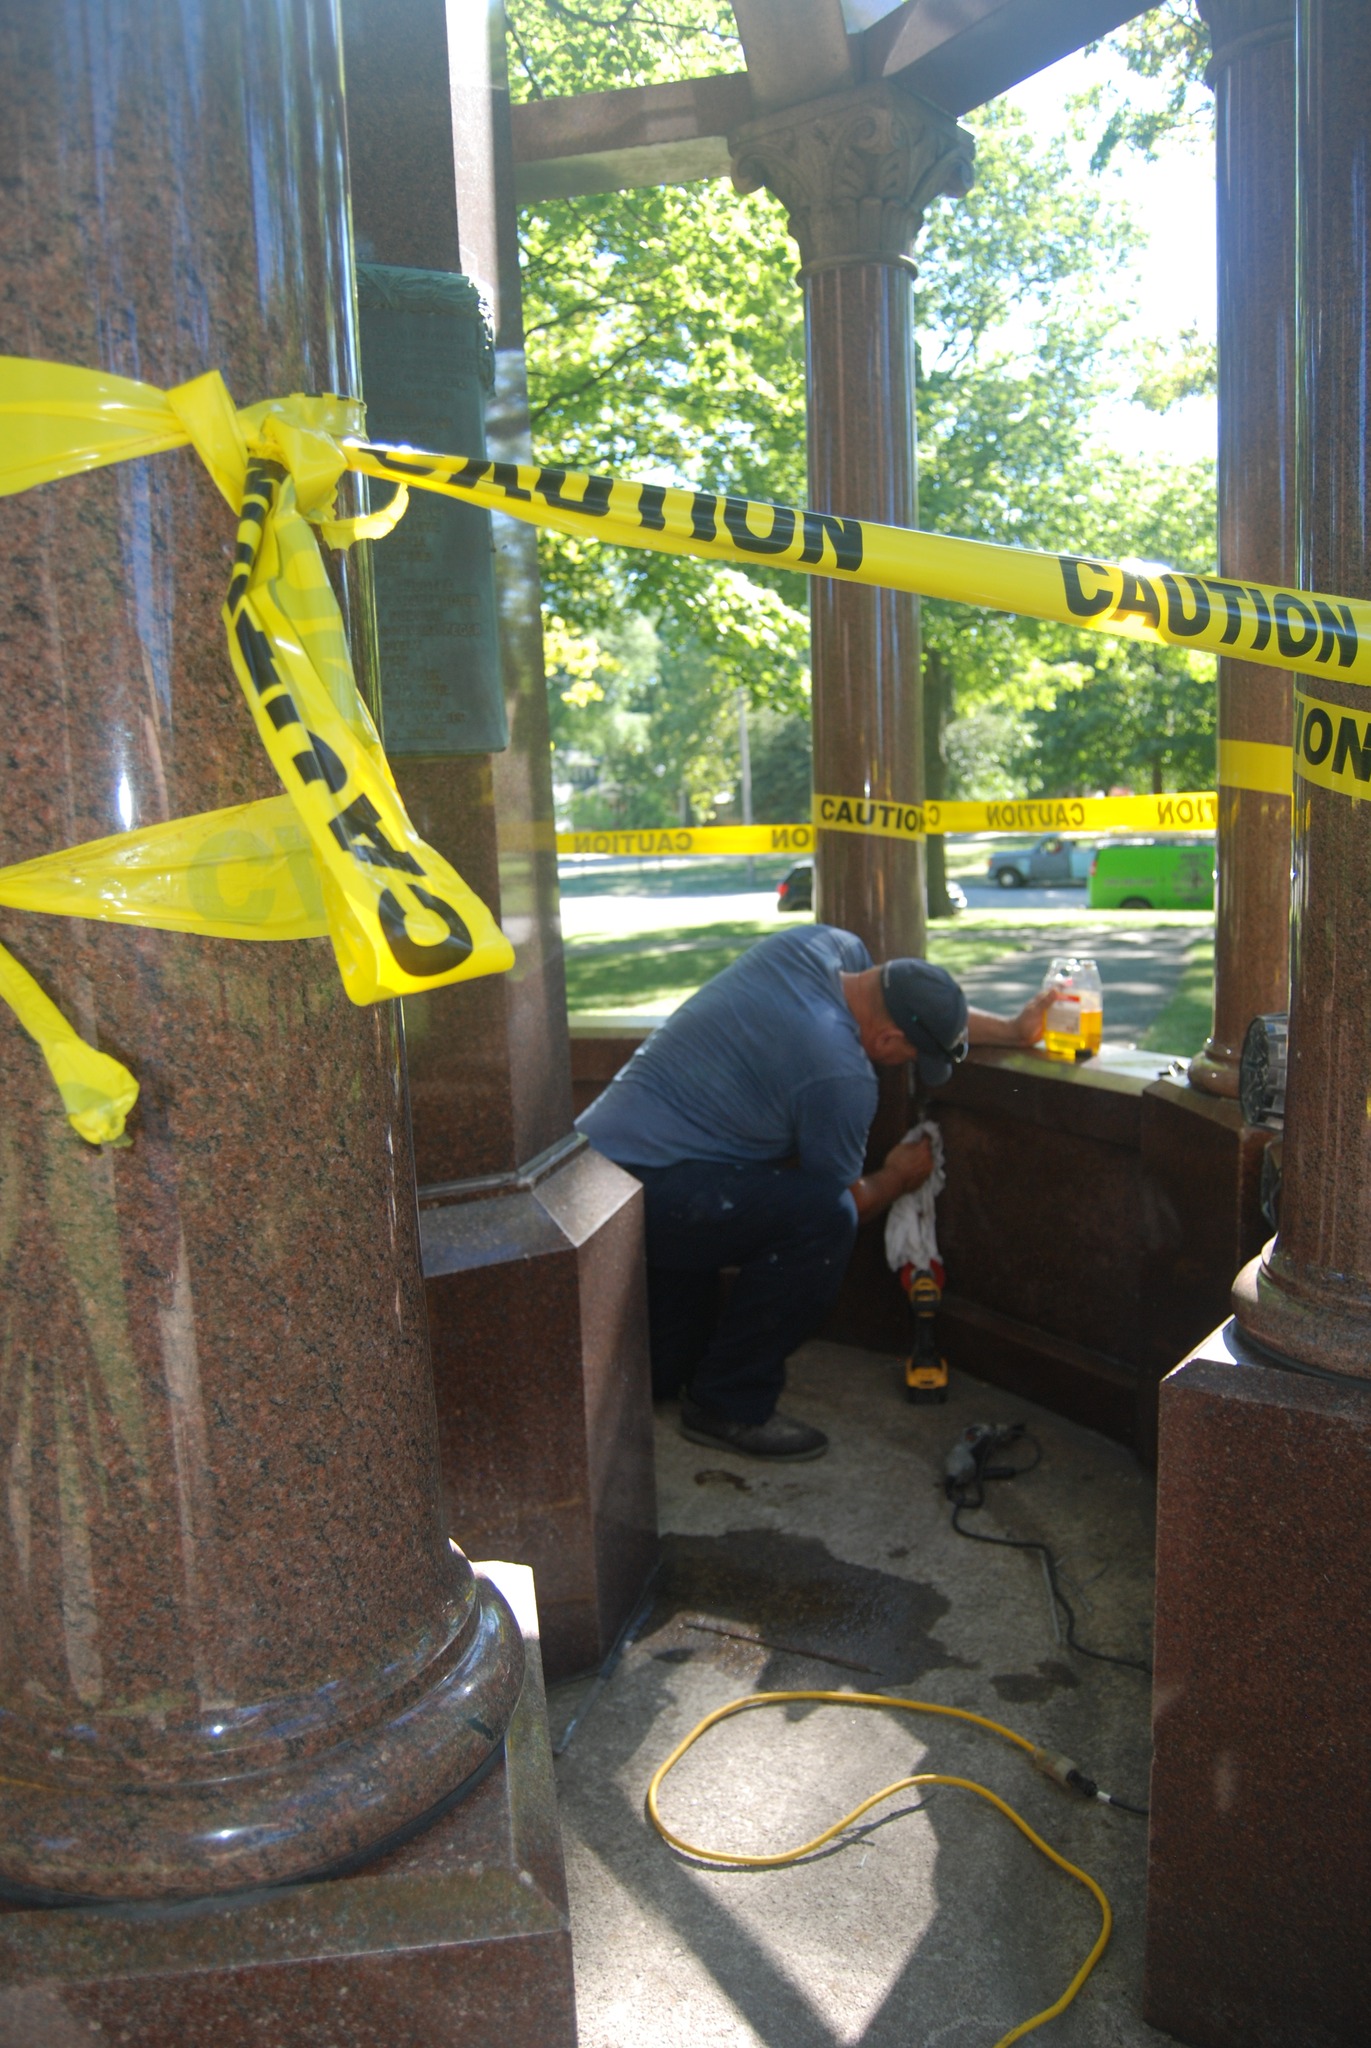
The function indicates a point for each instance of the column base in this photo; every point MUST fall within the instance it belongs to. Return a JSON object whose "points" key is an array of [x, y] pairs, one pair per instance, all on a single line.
{"points": [[317, 1783], [1261, 1812], [538, 1322], [460, 1939], [1328, 1330], [1217, 1070]]}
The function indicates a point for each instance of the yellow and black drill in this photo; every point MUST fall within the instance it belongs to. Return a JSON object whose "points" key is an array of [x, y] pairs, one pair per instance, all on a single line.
{"points": [[925, 1369]]}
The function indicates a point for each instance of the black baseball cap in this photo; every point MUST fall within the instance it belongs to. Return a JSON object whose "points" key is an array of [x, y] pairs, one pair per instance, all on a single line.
{"points": [[930, 1009]]}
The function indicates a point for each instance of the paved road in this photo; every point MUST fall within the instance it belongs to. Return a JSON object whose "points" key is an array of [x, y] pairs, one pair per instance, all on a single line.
{"points": [[1139, 967], [990, 896]]}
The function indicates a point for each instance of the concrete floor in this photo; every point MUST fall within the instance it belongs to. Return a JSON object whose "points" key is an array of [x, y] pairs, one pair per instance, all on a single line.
{"points": [[944, 1927]]}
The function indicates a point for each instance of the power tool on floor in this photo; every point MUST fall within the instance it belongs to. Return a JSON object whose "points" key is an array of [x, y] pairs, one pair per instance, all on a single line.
{"points": [[968, 1465], [925, 1369]]}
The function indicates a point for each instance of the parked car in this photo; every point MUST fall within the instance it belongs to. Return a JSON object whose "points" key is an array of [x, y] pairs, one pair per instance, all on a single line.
{"points": [[796, 891], [1053, 859], [1153, 874]]}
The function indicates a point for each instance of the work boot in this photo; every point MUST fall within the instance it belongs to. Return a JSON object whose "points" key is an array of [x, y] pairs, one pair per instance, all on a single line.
{"points": [[779, 1438]]}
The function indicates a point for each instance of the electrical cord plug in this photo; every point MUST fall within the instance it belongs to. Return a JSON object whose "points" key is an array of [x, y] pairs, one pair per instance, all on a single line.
{"points": [[1062, 1771]]}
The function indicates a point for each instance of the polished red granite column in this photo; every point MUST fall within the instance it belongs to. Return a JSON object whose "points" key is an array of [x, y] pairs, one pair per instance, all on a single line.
{"points": [[1260, 1814], [855, 173], [1253, 73], [1310, 1295], [532, 1243], [235, 1643]]}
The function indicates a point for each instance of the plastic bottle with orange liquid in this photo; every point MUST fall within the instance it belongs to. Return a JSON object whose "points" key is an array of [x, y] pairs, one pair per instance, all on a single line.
{"points": [[1075, 1019]]}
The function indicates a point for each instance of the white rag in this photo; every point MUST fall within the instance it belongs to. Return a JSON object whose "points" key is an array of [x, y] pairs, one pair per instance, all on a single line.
{"points": [[911, 1234]]}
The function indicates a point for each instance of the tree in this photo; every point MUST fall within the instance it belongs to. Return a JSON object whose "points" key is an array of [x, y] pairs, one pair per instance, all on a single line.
{"points": [[665, 342], [1169, 46]]}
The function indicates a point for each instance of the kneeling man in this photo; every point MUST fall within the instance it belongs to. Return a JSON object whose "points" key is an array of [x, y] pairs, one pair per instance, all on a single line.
{"points": [[745, 1117]]}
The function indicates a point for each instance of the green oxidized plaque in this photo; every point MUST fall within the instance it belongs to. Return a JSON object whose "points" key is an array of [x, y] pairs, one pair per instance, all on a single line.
{"points": [[427, 364]]}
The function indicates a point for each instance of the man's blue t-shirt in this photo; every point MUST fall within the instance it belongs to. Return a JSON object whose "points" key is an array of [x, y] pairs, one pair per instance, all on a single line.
{"points": [[763, 1063]]}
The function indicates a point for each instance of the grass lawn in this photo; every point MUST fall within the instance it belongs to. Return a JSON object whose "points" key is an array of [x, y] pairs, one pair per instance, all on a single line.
{"points": [[655, 969], [1187, 1017]]}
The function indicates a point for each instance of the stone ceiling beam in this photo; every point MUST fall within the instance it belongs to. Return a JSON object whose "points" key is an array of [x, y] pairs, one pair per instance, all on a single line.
{"points": [[668, 134], [795, 52], [955, 53], [961, 53]]}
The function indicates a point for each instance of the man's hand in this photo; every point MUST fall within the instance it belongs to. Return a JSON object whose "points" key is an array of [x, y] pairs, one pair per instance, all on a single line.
{"points": [[904, 1168], [911, 1164], [984, 1028], [1032, 1017]]}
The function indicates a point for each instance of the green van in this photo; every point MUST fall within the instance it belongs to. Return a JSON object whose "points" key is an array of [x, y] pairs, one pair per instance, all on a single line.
{"points": [[1153, 874]]}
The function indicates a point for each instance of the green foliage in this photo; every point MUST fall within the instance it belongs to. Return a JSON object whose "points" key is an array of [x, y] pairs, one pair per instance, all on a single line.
{"points": [[1169, 46], [782, 767], [557, 47], [665, 342], [1185, 1023]]}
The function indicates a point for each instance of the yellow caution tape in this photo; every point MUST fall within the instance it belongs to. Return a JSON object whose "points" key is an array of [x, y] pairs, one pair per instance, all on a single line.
{"points": [[399, 917], [1255, 765], [1186, 811], [1258, 622], [97, 1092], [672, 842], [1332, 747], [248, 872], [338, 854], [1182, 811]]}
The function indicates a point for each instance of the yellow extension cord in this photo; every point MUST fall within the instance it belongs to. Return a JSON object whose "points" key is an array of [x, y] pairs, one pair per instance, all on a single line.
{"points": [[878, 1699]]}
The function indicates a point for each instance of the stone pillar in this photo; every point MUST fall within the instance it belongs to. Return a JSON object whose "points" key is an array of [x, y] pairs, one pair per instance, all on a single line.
{"points": [[855, 173], [235, 1644], [532, 1243], [1253, 73], [1260, 1813], [1261, 1804], [1309, 1297]]}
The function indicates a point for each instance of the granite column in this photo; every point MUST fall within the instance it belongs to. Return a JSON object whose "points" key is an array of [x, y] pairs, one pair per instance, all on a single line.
{"points": [[1253, 72], [1309, 1296], [1260, 1810], [236, 1646], [532, 1243], [1204, 1161], [855, 173]]}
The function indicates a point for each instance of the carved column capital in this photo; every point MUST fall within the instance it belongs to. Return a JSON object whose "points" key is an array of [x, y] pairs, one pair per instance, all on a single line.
{"points": [[1237, 26], [856, 171]]}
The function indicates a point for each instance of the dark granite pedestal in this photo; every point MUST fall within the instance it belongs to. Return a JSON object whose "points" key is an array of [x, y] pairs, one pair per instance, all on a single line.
{"points": [[538, 1319], [457, 1940], [1260, 1854]]}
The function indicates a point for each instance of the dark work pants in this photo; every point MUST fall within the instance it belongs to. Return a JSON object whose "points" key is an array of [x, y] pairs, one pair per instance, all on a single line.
{"points": [[789, 1233]]}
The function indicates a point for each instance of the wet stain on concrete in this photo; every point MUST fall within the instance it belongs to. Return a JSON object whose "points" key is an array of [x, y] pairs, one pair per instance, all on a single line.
{"points": [[716, 1476], [1023, 1687], [792, 1591]]}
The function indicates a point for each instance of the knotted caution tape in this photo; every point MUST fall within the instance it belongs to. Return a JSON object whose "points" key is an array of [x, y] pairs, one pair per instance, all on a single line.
{"points": [[337, 855]]}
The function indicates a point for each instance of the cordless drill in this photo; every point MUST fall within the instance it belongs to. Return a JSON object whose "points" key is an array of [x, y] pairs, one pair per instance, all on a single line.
{"points": [[925, 1369]]}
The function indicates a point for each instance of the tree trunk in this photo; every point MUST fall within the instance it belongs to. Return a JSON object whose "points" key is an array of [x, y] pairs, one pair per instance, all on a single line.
{"points": [[937, 705]]}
